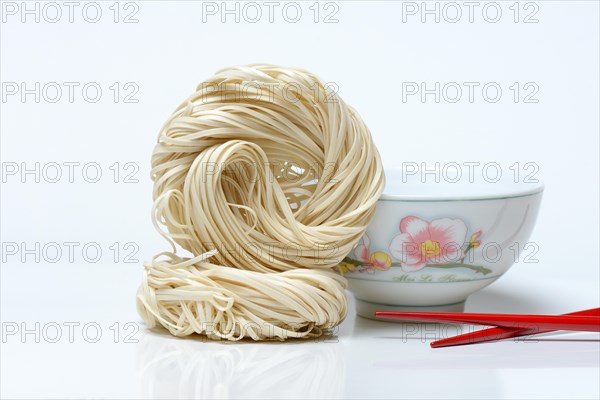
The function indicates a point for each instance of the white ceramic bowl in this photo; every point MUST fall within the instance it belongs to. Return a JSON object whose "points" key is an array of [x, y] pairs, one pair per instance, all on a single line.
{"points": [[432, 244]]}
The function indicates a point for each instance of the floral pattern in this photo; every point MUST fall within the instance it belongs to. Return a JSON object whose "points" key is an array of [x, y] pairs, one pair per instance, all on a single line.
{"points": [[439, 243], [368, 262], [421, 242]]}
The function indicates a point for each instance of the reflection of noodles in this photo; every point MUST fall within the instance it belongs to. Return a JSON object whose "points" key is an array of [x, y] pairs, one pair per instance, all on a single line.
{"points": [[242, 164], [171, 368]]}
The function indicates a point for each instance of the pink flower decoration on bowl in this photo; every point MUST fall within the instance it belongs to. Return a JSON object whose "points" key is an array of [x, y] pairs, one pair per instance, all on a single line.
{"points": [[421, 242], [373, 261], [362, 252]]}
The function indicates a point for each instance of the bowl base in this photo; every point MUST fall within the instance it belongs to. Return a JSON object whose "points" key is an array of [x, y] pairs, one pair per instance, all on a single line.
{"points": [[367, 309]]}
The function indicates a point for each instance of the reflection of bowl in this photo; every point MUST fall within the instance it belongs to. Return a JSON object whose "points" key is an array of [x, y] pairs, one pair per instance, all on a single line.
{"points": [[430, 248]]}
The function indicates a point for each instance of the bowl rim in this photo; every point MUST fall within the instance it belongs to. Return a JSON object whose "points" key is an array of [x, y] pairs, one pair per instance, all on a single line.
{"points": [[535, 188]]}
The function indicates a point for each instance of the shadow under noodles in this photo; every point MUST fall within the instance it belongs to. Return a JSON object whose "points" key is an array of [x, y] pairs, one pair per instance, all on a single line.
{"points": [[170, 367]]}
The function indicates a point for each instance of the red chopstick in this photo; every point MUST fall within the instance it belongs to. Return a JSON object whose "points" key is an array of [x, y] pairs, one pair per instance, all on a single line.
{"points": [[522, 321], [499, 333]]}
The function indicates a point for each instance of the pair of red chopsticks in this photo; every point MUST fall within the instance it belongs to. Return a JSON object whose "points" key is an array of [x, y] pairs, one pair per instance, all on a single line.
{"points": [[507, 325]]}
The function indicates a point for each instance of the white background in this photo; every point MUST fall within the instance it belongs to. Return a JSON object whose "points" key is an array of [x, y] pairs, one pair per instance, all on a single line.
{"points": [[372, 54]]}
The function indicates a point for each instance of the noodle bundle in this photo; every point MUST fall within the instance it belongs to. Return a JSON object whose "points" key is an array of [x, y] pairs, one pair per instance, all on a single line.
{"points": [[268, 179]]}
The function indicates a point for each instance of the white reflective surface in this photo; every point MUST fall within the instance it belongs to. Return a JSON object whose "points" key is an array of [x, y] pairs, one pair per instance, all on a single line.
{"points": [[365, 359]]}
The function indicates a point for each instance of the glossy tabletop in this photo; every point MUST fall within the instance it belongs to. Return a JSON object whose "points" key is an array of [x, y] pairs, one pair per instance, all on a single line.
{"points": [[86, 340]]}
